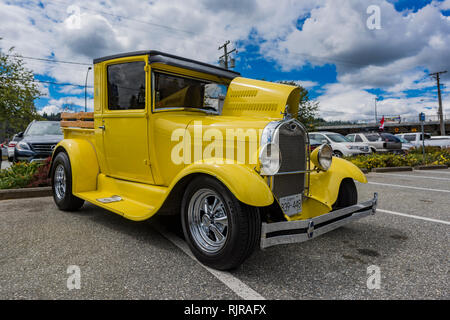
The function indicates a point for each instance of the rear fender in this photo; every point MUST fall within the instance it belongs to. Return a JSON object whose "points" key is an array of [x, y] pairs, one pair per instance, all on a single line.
{"points": [[83, 162]]}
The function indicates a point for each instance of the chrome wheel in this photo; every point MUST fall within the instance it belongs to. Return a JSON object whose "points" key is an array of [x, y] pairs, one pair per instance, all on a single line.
{"points": [[60, 182], [208, 220]]}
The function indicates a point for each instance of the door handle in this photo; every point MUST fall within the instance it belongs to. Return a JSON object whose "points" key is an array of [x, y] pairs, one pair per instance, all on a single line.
{"points": [[102, 127]]}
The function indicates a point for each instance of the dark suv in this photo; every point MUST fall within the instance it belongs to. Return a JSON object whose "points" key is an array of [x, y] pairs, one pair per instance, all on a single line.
{"points": [[39, 140]]}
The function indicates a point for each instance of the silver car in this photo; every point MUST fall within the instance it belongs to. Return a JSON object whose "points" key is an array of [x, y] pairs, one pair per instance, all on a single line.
{"points": [[378, 142]]}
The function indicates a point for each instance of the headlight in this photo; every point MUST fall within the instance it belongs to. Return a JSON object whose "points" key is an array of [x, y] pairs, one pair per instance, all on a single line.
{"points": [[23, 146], [322, 157], [270, 159]]}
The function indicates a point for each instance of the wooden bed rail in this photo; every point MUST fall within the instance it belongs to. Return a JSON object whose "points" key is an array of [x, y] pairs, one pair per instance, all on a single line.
{"points": [[77, 120]]}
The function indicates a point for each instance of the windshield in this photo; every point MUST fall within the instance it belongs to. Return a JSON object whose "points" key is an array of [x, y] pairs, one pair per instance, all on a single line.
{"points": [[179, 92], [373, 137], [390, 137], [336, 137], [43, 128]]}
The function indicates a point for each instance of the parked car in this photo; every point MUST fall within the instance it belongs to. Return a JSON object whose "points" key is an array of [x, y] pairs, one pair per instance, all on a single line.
{"points": [[132, 156], [377, 142], [415, 138], [341, 145], [38, 141], [314, 144], [12, 144], [406, 145], [2, 150]]}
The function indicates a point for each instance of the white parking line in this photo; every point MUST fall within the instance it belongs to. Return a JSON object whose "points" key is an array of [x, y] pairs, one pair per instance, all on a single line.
{"points": [[411, 176], [407, 187], [413, 216], [236, 285]]}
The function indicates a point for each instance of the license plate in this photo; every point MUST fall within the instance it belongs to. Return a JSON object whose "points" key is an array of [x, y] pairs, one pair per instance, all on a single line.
{"points": [[291, 205]]}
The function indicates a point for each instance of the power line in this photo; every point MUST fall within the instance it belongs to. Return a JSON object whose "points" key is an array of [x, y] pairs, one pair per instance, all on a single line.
{"points": [[51, 60], [167, 27], [45, 81]]}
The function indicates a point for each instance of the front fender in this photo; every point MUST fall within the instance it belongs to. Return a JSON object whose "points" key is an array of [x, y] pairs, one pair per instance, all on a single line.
{"points": [[245, 183], [325, 184], [83, 161]]}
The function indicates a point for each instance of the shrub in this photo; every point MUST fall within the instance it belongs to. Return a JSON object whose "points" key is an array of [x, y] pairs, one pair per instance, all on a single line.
{"points": [[23, 174], [433, 156], [40, 177]]}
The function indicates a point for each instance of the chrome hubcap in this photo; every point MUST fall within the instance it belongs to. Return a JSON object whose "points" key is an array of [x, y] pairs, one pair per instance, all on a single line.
{"points": [[60, 182], [208, 220]]}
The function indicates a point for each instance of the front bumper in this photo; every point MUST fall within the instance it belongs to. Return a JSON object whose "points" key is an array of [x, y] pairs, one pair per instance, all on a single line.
{"points": [[303, 230]]}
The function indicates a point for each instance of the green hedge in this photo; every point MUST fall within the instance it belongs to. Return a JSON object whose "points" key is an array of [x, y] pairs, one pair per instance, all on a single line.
{"points": [[433, 156]]}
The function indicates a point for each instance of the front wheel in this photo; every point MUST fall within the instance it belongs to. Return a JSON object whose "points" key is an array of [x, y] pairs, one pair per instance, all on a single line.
{"points": [[62, 184], [348, 194], [337, 154], [220, 230]]}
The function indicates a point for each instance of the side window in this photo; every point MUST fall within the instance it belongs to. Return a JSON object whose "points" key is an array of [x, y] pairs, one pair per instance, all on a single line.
{"points": [[351, 137], [358, 138], [126, 86], [321, 138], [410, 137]]}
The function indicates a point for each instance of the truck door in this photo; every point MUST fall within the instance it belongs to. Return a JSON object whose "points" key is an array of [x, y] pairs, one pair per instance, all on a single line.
{"points": [[125, 120]]}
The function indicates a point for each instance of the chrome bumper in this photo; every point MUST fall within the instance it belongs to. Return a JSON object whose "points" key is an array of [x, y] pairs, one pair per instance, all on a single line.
{"points": [[298, 231]]}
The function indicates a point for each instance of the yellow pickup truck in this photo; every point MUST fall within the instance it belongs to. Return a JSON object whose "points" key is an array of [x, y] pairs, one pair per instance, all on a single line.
{"points": [[171, 135]]}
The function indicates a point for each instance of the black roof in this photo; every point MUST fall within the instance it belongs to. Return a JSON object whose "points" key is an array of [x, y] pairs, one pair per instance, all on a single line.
{"points": [[176, 61]]}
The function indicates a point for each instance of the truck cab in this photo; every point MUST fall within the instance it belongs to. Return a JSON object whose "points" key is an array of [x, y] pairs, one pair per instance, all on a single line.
{"points": [[171, 135]]}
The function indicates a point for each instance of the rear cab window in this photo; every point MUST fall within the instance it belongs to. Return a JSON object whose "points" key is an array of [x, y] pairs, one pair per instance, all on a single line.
{"points": [[126, 86]]}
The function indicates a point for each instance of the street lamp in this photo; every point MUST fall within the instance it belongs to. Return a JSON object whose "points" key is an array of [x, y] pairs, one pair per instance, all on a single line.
{"points": [[85, 90]]}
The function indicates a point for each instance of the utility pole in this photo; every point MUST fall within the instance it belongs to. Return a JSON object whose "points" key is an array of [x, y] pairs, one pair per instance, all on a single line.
{"points": [[440, 112], [224, 58], [376, 120]]}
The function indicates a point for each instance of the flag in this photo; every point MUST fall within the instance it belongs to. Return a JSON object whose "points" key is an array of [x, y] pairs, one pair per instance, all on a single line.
{"points": [[382, 123]]}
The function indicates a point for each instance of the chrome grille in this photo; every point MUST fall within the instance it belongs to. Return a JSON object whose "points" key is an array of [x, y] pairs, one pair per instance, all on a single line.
{"points": [[293, 143], [43, 147]]}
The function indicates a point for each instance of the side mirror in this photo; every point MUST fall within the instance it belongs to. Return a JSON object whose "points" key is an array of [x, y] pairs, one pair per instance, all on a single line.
{"points": [[20, 134], [324, 141]]}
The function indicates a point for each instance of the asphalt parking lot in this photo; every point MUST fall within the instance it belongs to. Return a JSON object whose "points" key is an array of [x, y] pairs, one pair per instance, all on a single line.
{"points": [[408, 240]]}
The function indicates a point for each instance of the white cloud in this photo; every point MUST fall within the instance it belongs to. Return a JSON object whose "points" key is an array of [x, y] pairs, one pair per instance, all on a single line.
{"points": [[395, 59]]}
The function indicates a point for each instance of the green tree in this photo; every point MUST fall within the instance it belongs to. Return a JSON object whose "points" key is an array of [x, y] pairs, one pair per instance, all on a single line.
{"points": [[17, 93], [308, 109]]}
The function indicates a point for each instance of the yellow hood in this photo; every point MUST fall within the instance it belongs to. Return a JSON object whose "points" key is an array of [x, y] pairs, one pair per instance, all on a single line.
{"points": [[248, 97]]}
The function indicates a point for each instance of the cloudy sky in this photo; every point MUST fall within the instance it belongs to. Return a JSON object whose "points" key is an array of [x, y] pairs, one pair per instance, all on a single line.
{"points": [[342, 51]]}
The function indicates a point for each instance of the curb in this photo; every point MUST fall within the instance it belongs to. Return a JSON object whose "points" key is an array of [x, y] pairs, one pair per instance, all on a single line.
{"points": [[431, 167], [25, 193], [392, 169]]}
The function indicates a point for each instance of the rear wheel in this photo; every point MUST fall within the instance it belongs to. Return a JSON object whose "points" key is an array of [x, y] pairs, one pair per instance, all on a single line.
{"points": [[62, 184], [220, 230]]}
